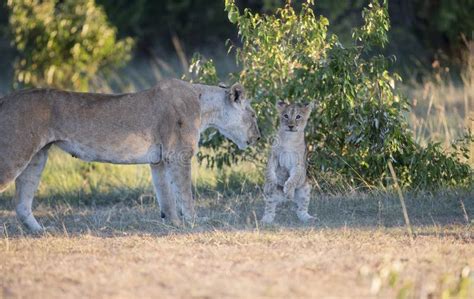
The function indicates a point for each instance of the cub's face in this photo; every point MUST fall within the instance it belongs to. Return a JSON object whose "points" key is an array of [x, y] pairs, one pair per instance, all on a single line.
{"points": [[294, 117]]}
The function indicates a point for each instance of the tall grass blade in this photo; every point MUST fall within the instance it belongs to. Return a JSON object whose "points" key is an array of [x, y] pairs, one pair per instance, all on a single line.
{"points": [[402, 199]]}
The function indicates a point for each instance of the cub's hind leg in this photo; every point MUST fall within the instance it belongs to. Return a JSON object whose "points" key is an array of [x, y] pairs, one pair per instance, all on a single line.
{"points": [[272, 199], [302, 197], [26, 184]]}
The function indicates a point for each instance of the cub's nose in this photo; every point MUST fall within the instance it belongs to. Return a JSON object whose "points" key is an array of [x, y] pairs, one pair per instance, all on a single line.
{"points": [[291, 127]]}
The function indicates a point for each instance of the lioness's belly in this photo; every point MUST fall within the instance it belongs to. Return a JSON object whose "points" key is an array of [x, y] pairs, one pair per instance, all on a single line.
{"points": [[124, 153]]}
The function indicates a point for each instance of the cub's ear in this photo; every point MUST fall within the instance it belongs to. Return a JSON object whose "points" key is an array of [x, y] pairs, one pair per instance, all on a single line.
{"points": [[281, 105], [309, 106], [236, 93]]}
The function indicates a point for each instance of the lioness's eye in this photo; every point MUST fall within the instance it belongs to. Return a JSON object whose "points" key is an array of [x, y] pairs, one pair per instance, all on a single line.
{"points": [[298, 116], [285, 116]]}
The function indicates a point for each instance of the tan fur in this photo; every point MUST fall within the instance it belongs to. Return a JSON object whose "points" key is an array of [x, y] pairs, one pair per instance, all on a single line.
{"points": [[159, 126], [286, 168]]}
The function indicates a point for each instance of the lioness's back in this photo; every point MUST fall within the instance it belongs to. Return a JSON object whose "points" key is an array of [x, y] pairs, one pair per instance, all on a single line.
{"points": [[31, 119]]}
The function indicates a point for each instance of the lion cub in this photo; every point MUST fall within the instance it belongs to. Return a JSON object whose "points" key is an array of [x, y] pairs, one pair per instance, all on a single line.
{"points": [[286, 169]]}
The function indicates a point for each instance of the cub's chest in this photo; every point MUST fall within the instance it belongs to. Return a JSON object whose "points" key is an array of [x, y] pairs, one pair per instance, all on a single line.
{"points": [[287, 159]]}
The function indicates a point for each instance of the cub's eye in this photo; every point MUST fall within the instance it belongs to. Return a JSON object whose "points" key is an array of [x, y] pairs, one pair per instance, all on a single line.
{"points": [[298, 116], [285, 116]]}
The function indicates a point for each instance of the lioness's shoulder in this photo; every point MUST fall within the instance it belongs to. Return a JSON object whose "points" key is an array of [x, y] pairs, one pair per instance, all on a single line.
{"points": [[175, 84], [177, 89]]}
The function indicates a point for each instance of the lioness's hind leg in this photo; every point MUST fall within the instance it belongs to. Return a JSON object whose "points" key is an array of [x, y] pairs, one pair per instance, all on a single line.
{"points": [[302, 197], [7, 176], [26, 184]]}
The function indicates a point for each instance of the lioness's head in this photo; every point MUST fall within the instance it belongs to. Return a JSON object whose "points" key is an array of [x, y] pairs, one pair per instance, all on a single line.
{"points": [[294, 117], [240, 121]]}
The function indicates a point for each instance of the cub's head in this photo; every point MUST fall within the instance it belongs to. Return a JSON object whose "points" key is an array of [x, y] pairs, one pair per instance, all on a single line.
{"points": [[294, 117], [239, 119]]}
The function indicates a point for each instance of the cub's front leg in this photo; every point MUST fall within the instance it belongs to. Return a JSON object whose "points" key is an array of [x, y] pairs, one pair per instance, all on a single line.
{"points": [[296, 178]]}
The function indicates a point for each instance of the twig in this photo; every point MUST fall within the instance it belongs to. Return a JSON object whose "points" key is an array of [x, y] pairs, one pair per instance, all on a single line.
{"points": [[256, 221], [402, 200], [180, 51], [466, 216], [7, 241]]}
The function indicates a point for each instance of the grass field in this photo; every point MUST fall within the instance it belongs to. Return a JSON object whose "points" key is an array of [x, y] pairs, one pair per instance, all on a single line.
{"points": [[106, 239], [279, 263]]}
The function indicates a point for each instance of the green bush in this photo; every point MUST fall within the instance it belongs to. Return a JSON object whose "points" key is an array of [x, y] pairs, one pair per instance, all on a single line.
{"points": [[63, 44], [220, 150], [359, 125]]}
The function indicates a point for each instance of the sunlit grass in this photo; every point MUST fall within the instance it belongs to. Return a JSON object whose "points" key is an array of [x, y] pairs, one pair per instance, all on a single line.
{"points": [[70, 178], [442, 109]]}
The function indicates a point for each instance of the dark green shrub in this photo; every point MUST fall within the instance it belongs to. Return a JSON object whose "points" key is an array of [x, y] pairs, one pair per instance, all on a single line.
{"points": [[63, 44], [359, 125]]}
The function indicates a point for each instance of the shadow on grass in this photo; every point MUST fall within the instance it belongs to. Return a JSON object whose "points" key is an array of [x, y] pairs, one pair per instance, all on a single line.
{"points": [[134, 211]]}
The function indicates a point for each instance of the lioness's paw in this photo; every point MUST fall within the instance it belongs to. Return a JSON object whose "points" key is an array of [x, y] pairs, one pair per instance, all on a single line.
{"points": [[176, 222]]}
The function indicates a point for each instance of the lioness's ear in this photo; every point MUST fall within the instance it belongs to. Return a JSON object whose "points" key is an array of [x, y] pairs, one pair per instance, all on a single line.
{"points": [[281, 105], [236, 93]]}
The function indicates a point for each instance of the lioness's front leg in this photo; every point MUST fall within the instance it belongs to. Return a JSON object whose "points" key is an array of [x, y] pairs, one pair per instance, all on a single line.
{"points": [[179, 175], [165, 199]]}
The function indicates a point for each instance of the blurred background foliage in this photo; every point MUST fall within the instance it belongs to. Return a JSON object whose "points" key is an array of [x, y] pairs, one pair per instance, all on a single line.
{"points": [[63, 44], [422, 30], [81, 45]]}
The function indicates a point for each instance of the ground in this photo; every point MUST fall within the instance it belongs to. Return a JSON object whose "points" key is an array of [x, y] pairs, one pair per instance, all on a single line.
{"points": [[358, 248]]}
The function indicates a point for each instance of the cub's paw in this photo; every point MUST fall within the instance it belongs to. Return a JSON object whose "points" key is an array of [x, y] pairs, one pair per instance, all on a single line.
{"points": [[306, 218], [267, 219], [289, 190], [269, 187]]}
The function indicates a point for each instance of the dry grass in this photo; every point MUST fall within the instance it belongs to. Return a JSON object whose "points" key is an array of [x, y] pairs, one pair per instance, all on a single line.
{"points": [[443, 109], [313, 263], [105, 237], [357, 249]]}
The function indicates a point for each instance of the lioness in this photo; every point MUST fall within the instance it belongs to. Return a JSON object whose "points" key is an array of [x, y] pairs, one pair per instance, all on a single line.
{"points": [[286, 167], [159, 126]]}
